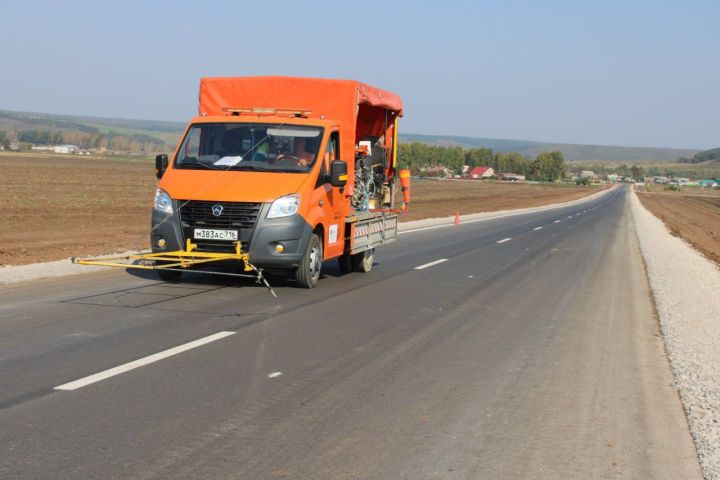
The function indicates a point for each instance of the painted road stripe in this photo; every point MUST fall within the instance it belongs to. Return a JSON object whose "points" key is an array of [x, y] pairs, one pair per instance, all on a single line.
{"points": [[275, 375], [83, 382], [504, 240], [557, 221], [537, 228], [535, 210], [423, 267]]}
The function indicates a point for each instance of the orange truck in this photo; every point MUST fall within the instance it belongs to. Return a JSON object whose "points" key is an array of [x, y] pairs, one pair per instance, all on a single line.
{"points": [[283, 173]]}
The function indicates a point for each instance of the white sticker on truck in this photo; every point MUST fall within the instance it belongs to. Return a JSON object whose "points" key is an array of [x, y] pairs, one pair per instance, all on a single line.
{"points": [[332, 237]]}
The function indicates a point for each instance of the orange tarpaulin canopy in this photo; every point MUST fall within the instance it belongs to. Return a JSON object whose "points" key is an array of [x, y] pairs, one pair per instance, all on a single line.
{"points": [[332, 99]]}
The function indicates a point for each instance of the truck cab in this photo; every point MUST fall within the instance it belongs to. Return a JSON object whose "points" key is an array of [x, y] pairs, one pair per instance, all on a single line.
{"points": [[284, 166]]}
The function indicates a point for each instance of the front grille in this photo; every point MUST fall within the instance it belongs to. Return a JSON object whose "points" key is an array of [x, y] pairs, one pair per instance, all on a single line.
{"points": [[240, 216]]}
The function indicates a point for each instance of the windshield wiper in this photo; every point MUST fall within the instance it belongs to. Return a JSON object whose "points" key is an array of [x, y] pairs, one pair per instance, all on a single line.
{"points": [[191, 163], [252, 167]]}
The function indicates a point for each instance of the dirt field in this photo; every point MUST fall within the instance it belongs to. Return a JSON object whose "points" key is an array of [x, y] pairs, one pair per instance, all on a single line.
{"points": [[57, 207], [434, 198], [693, 215]]}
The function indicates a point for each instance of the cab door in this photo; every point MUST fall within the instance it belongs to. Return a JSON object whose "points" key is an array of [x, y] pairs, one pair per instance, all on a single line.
{"points": [[330, 200]]}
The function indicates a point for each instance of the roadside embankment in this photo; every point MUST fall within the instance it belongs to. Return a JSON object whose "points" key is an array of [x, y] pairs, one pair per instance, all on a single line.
{"points": [[685, 286]]}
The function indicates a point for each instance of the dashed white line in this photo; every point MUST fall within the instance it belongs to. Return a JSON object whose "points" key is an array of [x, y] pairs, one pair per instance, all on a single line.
{"points": [[569, 216], [557, 221], [504, 240], [126, 367], [275, 375], [423, 267], [537, 228]]}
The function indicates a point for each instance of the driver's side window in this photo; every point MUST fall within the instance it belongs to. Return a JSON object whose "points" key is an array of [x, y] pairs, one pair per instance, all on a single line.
{"points": [[331, 153]]}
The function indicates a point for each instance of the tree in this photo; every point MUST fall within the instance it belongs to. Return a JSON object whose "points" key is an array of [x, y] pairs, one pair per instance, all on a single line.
{"points": [[636, 171], [548, 167]]}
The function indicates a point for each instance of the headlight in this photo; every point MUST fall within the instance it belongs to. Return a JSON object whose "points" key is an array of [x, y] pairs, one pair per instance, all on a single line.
{"points": [[284, 206], [163, 202]]}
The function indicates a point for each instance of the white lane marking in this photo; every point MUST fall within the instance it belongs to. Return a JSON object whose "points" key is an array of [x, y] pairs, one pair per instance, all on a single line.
{"points": [[452, 224], [274, 374], [504, 240], [538, 210], [537, 228], [423, 267], [557, 221], [126, 367], [569, 216]]}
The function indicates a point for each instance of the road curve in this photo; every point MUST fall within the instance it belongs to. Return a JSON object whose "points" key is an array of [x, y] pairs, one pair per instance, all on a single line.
{"points": [[519, 347]]}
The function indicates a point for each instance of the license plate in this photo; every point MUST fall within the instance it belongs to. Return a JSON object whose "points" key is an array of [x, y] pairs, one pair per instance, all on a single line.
{"points": [[213, 234]]}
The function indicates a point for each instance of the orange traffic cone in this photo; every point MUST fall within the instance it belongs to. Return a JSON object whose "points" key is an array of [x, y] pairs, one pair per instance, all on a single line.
{"points": [[457, 217]]}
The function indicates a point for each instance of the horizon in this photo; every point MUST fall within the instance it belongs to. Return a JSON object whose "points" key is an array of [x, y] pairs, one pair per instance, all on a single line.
{"points": [[606, 74], [183, 124]]}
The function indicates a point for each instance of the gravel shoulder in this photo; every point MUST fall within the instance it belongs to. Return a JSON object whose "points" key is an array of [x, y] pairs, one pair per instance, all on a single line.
{"points": [[685, 286]]}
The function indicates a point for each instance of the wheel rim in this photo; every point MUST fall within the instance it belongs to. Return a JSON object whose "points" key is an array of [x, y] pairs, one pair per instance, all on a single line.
{"points": [[315, 262], [368, 259]]}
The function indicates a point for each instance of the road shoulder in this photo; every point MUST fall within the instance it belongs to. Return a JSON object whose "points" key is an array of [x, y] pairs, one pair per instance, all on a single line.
{"points": [[685, 286]]}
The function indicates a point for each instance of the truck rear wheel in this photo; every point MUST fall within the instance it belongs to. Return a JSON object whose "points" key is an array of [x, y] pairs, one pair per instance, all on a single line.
{"points": [[362, 262], [308, 273]]}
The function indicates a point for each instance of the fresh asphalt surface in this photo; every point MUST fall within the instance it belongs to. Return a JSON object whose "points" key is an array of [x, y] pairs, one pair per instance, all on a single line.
{"points": [[525, 353]]}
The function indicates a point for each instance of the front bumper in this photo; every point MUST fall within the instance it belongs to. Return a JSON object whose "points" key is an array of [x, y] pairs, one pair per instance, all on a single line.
{"points": [[292, 232]]}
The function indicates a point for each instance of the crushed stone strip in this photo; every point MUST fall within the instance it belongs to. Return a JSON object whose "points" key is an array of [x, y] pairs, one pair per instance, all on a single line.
{"points": [[686, 287]]}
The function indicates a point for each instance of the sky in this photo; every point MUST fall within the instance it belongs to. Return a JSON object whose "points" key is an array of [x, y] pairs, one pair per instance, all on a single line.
{"points": [[634, 73]]}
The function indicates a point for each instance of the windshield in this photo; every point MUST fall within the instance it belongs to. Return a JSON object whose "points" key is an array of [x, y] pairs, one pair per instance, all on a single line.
{"points": [[245, 146]]}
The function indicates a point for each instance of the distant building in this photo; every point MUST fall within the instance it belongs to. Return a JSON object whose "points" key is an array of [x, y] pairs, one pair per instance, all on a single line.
{"points": [[510, 177], [436, 172], [661, 180], [41, 148], [588, 174], [481, 172], [66, 149]]}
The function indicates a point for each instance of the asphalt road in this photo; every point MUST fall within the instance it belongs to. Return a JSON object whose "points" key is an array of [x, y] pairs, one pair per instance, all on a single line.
{"points": [[531, 351]]}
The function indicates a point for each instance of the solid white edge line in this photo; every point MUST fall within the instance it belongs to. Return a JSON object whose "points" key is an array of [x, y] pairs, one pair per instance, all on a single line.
{"points": [[504, 240], [126, 367], [537, 228], [423, 267]]}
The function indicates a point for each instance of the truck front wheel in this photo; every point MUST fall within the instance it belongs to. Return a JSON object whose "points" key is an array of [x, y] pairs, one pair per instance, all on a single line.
{"points": [[308, 273]]}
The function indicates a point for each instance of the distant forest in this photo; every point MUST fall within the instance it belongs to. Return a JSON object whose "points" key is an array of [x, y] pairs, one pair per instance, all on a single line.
{"points": [[420, 157], [84, 139], [712, 155]]}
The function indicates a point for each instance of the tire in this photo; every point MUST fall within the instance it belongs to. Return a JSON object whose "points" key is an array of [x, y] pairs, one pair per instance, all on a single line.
{"points": [[345, 263], [308, 273], [362, 262]]}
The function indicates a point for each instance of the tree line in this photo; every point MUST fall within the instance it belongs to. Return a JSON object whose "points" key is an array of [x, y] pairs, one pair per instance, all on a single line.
{"points": [[86, 140], [419, 157], [704, 156]]}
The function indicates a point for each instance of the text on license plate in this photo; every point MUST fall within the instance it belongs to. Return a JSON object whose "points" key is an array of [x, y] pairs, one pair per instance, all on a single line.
{"points": [[213, 234]]}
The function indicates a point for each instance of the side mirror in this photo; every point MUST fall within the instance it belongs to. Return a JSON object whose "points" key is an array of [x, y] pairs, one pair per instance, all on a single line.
{"points": [[338, 173], [161, 163]]}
